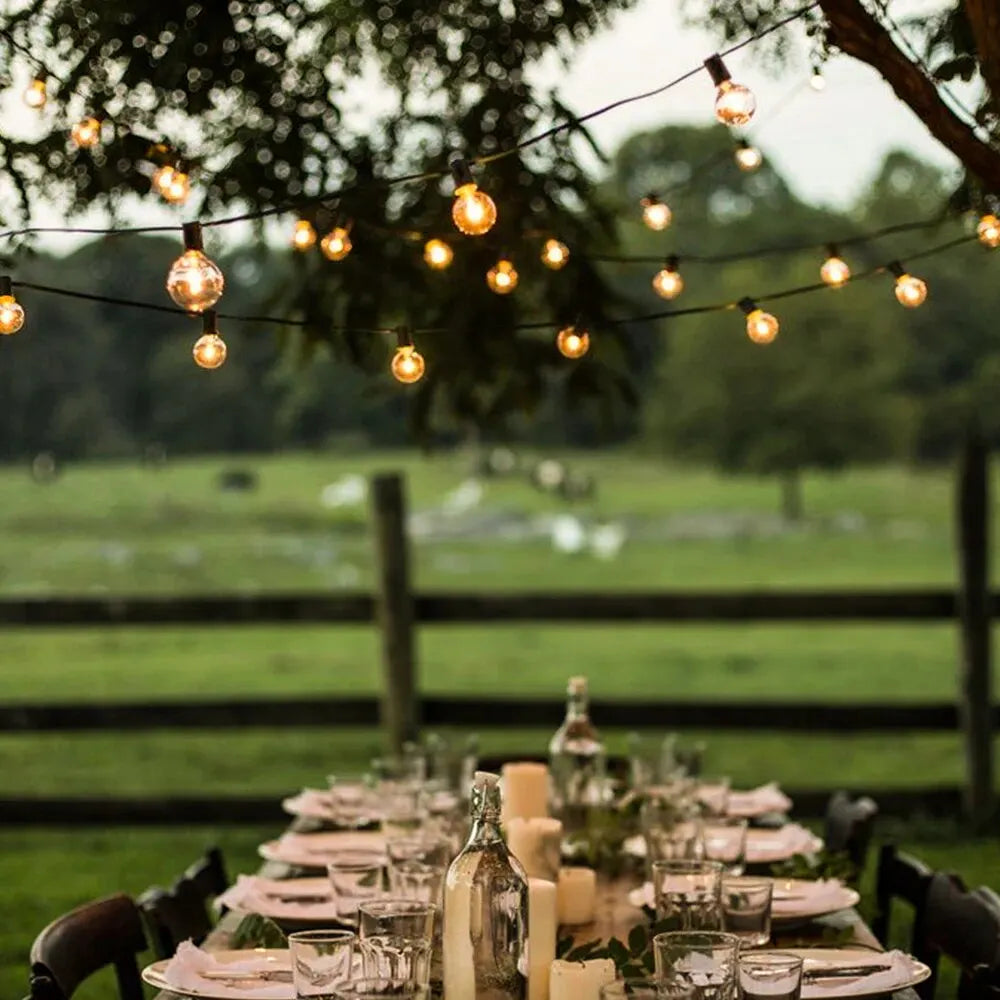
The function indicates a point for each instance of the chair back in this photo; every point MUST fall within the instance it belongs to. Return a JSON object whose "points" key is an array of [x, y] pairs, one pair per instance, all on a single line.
{"points": [[850, 826], [208, 874], [107, 932]]}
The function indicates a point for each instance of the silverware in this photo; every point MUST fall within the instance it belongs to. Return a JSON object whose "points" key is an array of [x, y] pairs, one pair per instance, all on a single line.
{"points": [[317, 898], [844, 971], [254, 975]]}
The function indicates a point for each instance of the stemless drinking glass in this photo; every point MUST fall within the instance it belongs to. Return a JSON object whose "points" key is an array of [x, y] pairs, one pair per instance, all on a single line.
{"points": [[378, 989], [319, 960], [725, 840], [396, 937], [774, 975], [746, 909], [687, 894], [402, 809], [671, 830], [415, 880], [646, 989], [429, 849], [351, 801], [704, 961], [355, 876]]}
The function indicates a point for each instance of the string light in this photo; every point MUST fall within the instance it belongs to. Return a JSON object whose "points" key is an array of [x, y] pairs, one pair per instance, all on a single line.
{"points": [[748, 158], [762, 327], [303, 235], [573, 342], [438, 255], [36, 94], [336, 245], [988, 231], [667, 282], [195, 283], [910, 291], [172, 183], [11, 312], [817, 81], [555, 255], [209, 349], [86, 133], [734, 103], [656, 213], [407, 363], [473, 211], [502, 277], [834, 270]]}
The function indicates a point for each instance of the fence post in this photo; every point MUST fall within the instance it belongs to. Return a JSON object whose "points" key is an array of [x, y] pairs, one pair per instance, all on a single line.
{"points": [[394, 609], [975, 702]]}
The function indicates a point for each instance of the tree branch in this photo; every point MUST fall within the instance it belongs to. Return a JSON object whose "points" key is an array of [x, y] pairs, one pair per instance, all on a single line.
{"points": [[984, 20], [857, 33]]}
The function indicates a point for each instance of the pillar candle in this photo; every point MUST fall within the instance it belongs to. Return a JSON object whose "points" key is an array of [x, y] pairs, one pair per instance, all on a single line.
{"points": [[577, 895], [525, 790], [580, 980], [537, 844], [542, 927], [457, 955]]}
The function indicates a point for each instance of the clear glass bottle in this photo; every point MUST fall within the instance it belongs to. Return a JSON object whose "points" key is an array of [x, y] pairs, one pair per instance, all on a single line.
{"points": [[577, 761], [485, 936]]}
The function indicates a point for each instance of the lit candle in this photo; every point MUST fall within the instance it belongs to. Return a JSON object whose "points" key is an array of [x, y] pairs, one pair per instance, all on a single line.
{"points": [[580, 980], [577, 895], [525, 790], [542, 926], [536, 843]]}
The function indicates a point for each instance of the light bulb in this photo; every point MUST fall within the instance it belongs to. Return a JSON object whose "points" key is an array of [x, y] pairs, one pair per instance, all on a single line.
{"points": [[762, 327], [734, 103], [35, 94], [910, 291], [195, 283], [573, 343], [817, 81], [336, 245], [437, 254], [304, 235], [655, 213], [86, 133], [11, 312], [555, 254], [502, 277], [209, 351], [473, 211], [162, 176], [173, 184], [748, 158], [835, 271], [667, 283], [988, 231], [407, 364]]}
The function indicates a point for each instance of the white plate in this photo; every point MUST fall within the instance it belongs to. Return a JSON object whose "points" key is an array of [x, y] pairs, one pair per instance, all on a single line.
{"points": [[758, 802], [314, 850], [278, 958], [763, 846], [274, 898], [914, 972], [835, 898], [311, 803]]}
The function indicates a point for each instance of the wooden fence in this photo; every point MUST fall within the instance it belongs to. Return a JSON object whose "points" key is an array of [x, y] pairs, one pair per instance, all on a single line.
{"points": [[396, 610]]}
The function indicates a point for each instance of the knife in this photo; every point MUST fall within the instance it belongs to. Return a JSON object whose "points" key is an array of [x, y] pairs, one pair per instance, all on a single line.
{"points": [[259, 975], [844, 971]]}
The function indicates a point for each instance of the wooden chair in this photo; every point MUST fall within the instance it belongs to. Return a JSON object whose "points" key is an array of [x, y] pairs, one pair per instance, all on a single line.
{"points": [[208, 874], [903, 877], [107, 932], [849, 827]]}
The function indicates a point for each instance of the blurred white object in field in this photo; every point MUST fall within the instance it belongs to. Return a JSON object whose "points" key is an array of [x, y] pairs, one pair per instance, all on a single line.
{"points": [[606, 540], [348, 491], [550, 474], [466, 496], [568, 534]]}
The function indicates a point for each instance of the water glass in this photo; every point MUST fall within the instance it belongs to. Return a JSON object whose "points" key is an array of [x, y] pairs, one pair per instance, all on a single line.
{"points": [[713, 795], [429, 850], [706, 962], [770, 975], [351, 801], [671, 829], [402, 809], [378, 989], [355, 876], [415, 880], [725, 840], [688, 894], [645, 989], [746, 909], [396, 936], [320, 959]]}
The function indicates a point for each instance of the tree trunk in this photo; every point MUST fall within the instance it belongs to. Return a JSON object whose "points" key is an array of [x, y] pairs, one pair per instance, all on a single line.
{"points": [[791, 496]]}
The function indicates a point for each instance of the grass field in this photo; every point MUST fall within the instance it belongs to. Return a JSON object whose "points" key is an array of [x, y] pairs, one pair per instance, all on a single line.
{"points": [[121, 530]]}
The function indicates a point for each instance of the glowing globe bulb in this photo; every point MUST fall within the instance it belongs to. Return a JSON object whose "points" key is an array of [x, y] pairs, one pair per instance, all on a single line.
{"points": [[656, 214], [162, 177], [437, 254], [988, 231], [502, 278], [748, 158], [555, 254], [176, 188], [407, 364], [336, 245], [303, 235], [86, 133], [668, 283], [910, 291], [817, 81], [762, 327], [209, 351], [573, 343], [473, 211], [734, 103], [195, 283], [835, 272], [35, 95], [11, 315]]}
